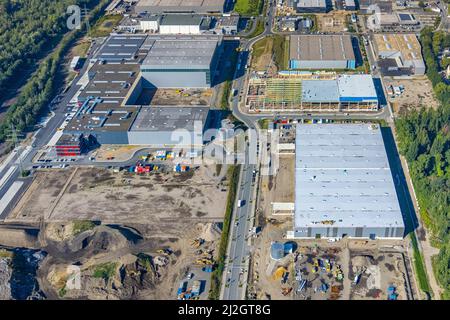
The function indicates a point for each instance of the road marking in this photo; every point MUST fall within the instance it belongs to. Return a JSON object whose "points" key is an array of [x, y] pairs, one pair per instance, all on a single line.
{"points": [[7, 175]]}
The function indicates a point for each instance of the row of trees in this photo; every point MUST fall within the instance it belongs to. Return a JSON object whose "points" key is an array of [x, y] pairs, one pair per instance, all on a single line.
{"points": [[433, 44], [47, 23], [424, 140], [27, 29]]}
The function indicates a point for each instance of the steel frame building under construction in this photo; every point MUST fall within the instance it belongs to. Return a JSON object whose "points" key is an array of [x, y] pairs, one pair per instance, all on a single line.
{"points": [[310, 92]]}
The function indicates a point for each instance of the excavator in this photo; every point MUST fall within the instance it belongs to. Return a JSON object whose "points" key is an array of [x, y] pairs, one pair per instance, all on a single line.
{"points": [[197, 242]]}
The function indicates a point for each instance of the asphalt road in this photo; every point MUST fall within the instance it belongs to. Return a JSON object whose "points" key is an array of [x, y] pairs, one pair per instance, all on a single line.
{"points": [[236, 266], [235, 273], [43, 135]]}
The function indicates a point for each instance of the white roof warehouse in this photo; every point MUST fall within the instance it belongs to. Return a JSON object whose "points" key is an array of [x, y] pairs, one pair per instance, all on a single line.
{"points": [[343, 183]]}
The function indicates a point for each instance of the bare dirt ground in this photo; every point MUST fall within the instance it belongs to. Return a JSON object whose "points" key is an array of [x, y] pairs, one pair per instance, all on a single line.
{"points": [[263, 51], [335, 21], [379, 264], [135, 217], [119, 153], [418, 93], [161, 200], [138, 269], [176, 97], [280, 188]]}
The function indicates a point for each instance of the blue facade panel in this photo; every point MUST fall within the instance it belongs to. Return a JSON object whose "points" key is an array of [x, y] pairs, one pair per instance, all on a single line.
{"points": [[293, 64], [351, 64], [357, 99]]}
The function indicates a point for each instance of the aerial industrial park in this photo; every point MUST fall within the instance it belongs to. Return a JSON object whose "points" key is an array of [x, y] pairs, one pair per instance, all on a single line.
{"points": [[232, 150]]}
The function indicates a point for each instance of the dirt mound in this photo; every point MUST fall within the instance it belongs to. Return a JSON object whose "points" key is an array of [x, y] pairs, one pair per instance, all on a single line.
{"points": [[209, 231], [59, 232], [101, 239]]}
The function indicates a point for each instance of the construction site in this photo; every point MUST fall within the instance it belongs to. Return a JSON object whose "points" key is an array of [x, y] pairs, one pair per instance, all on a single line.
{"points": [[406, 95], [176, 97], [320, 270], [335, 21], [293, 91], [130, 235], [119, 197], [283, 268]]}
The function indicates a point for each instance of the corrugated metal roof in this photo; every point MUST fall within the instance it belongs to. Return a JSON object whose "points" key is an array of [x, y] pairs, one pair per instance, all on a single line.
{"points": [[181, 20], [180, 51], [320, 91], [359, 86], [343, 176]]}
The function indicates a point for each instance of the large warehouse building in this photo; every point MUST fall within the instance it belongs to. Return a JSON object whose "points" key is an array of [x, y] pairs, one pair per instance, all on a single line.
{"points": [[164, 126], [321, 52], [180, 6], [343, 184], [349, 93], [181, 24], [181, 62], [312, 6], [399, 54], [106, 111], [154, 126]]}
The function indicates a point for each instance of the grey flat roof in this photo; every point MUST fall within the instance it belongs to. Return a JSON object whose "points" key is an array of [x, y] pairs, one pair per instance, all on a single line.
{"points": [[229, 21], [311, 3], [320, 91], [358, 86], [118, 47], [181, 20], [201, 6], [186, 52], [102, 117], [346, 88], [111, 79], [165, 118], [322, 47], [342, 175]]}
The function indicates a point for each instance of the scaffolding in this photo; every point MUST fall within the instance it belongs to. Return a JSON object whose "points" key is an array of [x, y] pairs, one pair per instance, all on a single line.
{"points": [[283, 93]]}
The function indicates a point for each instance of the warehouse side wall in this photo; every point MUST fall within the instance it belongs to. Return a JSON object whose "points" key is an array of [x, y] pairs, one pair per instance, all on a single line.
{"points": [[166, 139], [322, 64], [107, 137], [353, 232], [177, 78]]}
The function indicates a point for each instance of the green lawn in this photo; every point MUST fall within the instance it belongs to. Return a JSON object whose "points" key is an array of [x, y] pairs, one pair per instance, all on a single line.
{"points": [[248, 7], [258, 29], [419, 266], [105, 271], [105, 25], [80, 226], [279, 47]]}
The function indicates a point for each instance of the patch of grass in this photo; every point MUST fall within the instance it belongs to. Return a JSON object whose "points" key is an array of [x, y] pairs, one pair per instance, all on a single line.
{"points": [[81, 49], [216, 276], [80, 226], [258, 29], [419, 266], [25, 173], [62, 292], [264, 123], [105, 25], [105, 270], [225, 95], [248, 7], [145, 261], [6, 254], [279, 50]]}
